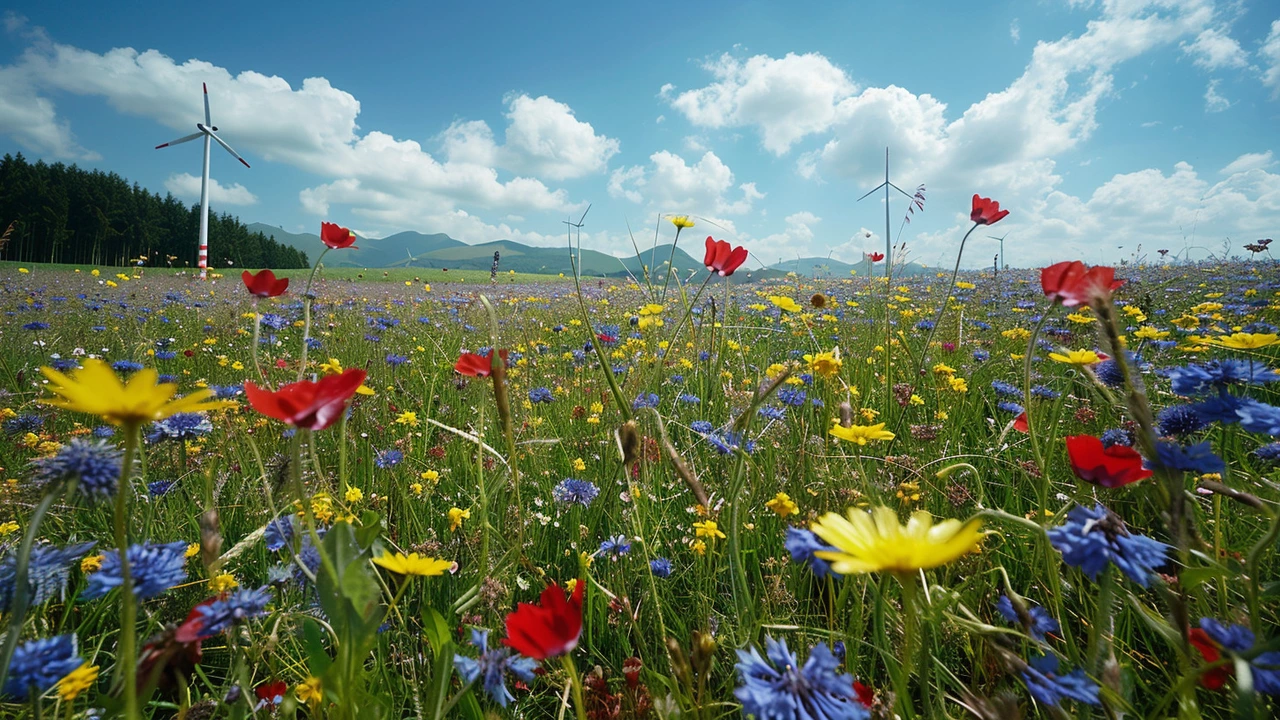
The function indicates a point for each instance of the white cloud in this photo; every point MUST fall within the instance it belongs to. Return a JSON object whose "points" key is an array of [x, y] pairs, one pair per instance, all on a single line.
{"points": [[1213, 102], [1270, 54], [187, 186], [1247, 162], [786, 98], [1015, 31], [313, 127], [672, 185], [1214, 49]]}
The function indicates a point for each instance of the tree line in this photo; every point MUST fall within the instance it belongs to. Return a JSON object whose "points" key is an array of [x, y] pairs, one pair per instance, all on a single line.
{"points": [[61, 213]]}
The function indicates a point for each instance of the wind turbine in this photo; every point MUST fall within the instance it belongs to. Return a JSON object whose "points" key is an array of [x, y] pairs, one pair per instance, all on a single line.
{"points": [[206, 131], [888, 236], [1001, 239]]}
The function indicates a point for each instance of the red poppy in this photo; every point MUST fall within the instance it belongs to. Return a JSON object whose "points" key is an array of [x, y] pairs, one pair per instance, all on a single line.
{"points": [[986, 211], [172, 655], [1073, 283], [1109, 467], [272, 693], [306, 404], [723, 258], [875, 257], [188, 353], [865, 694], [477, 365], [1217, 677], [1020, 423], [545, 631], [264, 284], [336, 236]]}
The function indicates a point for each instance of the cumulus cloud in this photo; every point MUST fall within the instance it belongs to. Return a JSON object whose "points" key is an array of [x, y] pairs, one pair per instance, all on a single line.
{"points": [[1214, 49], [187, 186], [1247, 162], [1269, 53], [670, 184], [1213, 102], [786, 98], [313, 127]]}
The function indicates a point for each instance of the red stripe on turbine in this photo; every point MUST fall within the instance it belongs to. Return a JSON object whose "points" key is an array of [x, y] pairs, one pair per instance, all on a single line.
{"points": [[162, 146], [206, 88], [245, 163]]}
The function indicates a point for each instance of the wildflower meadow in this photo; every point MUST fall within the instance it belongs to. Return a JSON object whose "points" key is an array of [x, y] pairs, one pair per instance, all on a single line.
{"points": [[1049, 492]]}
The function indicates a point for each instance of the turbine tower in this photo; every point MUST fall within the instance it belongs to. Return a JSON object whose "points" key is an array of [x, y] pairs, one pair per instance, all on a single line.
{"points": [[208, 132]]}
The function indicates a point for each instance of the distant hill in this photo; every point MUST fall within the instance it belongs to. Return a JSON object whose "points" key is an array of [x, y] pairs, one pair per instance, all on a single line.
{"points": [[830, 267], [414, 249]]}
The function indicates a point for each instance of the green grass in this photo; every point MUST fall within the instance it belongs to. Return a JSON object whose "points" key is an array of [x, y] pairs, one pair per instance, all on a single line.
{"points": [[740, 588]]}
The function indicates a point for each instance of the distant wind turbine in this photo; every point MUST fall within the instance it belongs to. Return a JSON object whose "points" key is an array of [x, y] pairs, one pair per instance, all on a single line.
{"points": [[888, 236], [206, 131]]}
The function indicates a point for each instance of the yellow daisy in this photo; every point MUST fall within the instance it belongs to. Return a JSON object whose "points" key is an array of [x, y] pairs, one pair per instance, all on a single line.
{"points": [[413, 564], [1241, 340], [860, 434], [784, 303], [875, 541], [1076, 357], [95, 389]]}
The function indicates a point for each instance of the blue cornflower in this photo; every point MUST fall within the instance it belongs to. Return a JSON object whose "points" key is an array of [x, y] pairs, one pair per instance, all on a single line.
{"points": [[676, 379], [36, 326], [1007, 389], [643, 400], [1117, 436], [388, 459], [126, 366], [1192, 380], [924, 325], [704, 355], [278, 533], [806, 378], [166, 354], [1012, 408], [1093, 537], [540, 395], [273, 321], [802, 544], [154, 569], [104, 431], [1198, 458], [1108, 373], [396, 360], [688, 399], [23, 424], [39, 664], [981, 356], [575, 492], [160, 488], [492, 667], [660, 567], [726, 441], [770, 412], [47, 571], [92, 464], [702, 427], [1045, 392], [1179, 420], [1259, 417], [1222, 408], [64, 364], [1050, 688], [781, 687], [224, 392], [1269, 452], [242, 604], [1042, 623], [182, 426], [614, 547], [794, 397]]}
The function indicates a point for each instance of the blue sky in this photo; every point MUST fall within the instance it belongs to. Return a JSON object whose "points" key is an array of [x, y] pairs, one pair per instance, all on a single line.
{"points": [[1099, 124]]}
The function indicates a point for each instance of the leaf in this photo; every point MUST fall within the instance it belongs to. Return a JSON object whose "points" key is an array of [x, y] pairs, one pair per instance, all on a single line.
{"points": [[438, 693], [1193, 577], [369, 530], [435, 627], [318, 659]]}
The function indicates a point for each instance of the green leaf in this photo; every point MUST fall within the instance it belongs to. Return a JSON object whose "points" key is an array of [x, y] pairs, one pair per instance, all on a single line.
{"points": [[435, 628], [318, 659], [438, 693], [370, 529], [1193, 577]]}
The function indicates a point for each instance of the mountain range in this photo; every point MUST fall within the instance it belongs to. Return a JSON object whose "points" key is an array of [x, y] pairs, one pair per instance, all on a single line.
{"points": [[415, 249]]}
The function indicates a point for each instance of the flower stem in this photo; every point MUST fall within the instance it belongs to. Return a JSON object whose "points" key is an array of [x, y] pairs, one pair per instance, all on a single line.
{"points": [[1026, 399], [306, 311], [575, 681], [22, 582], [127, 665]]}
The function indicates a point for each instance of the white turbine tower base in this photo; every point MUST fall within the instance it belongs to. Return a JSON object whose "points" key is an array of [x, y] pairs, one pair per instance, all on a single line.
{"points": [[208, 132]]}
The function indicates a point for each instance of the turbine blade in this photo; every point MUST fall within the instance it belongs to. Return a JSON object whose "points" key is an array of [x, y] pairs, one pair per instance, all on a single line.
{"points": [[207, 121], [228, 149], [187, 138], [878, 187]]}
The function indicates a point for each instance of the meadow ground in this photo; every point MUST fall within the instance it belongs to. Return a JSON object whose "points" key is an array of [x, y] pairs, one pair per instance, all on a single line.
{"points": [[670, 464]]}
